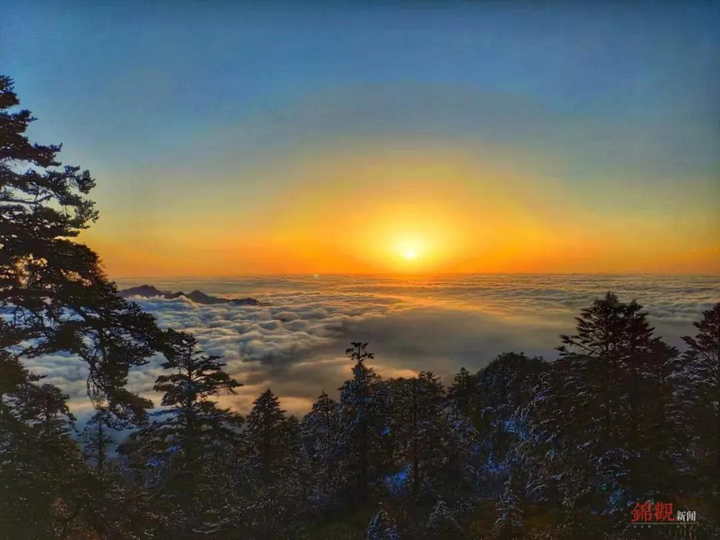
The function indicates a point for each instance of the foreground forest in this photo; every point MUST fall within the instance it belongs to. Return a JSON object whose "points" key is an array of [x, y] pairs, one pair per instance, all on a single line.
{"points": [[524, 448]]}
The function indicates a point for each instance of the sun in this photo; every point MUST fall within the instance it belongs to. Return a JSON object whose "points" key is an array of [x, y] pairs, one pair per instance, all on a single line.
{"points": [[410, 249]]}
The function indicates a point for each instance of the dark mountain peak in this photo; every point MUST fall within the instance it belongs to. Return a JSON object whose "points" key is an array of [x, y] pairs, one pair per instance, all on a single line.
{"points": [[146, 291], [199, 297], [245, 301]]}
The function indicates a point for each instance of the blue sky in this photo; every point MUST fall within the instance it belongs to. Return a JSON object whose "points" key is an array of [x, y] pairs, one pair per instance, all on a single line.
{"points": [[163, 101]]}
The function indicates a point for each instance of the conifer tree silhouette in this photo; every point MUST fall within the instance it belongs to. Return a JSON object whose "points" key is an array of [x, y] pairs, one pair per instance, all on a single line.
{"points": [[53, 286]]}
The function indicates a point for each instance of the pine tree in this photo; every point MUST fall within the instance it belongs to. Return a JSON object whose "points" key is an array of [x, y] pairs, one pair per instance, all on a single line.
{"points": [[319, 432], [54, 287], [459, 476], [509, 524], [41, 468], [462, 391], [320, 427], [360, 416], [297, 475], [698, 395], [610, 388], [442, 523], [597, 347], [176, 454], [382, 527], [97, 438], [276, 475], [111, 507], [194, 419], [418, 424], [56, 298], [266, 433], [502, 389]]}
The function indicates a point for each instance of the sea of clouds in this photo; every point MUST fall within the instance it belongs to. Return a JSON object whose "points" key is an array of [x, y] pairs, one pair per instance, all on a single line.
{"points": [[294, 342]]}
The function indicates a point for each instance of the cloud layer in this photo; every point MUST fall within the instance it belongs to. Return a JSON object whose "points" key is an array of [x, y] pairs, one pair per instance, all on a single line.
{"points": [[294, 342]]}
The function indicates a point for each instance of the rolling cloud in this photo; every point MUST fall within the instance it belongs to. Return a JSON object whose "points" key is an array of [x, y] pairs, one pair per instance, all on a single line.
{"points": [[294, 341]]}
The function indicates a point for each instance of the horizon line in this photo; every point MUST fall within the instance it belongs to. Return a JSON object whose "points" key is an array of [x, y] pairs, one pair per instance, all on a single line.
{"points": [[405, 274]]}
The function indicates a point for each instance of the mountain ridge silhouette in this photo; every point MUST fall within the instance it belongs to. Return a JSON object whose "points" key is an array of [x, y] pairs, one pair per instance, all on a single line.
{"points": [[197, 296]]}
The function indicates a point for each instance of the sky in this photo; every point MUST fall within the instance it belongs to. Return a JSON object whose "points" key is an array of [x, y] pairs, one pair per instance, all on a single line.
{"points": [[232, 138]]}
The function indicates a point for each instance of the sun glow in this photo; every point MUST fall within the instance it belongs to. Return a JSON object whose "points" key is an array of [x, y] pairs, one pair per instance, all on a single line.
{"points": [[409, 212], [410, 249]]}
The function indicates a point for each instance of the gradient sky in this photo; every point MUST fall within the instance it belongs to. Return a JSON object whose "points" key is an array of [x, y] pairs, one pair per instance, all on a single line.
{"points": [[231, 138]]}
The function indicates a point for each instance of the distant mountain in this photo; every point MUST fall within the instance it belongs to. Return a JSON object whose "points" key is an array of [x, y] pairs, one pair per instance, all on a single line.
{"points": [[199, 297], [146, 291]]}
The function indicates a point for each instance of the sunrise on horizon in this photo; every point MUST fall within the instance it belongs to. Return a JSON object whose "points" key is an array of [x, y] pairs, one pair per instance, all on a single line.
{"points": [[388, 270], [486, 139]]}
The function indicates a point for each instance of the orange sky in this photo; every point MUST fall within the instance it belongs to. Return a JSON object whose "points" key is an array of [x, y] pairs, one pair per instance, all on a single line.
{"points": [[467, 137], [422, 210]]}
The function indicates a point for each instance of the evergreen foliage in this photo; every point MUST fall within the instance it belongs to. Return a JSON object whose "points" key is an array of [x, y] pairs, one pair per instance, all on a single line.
{"points": [[603, 403], [419, 427], [97, 439], [442, 524], [382, 527], [509, 524], [361, 418], [175, 454], [267, 434], [698, 393], [52, 287], [320, 438]]}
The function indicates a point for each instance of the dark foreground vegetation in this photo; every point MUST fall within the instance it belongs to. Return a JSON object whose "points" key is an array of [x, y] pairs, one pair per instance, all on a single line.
{"points": [[524, 448]]}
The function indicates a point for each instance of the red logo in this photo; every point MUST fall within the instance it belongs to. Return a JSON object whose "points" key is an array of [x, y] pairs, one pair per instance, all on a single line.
{"points": [[660, 513]]}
